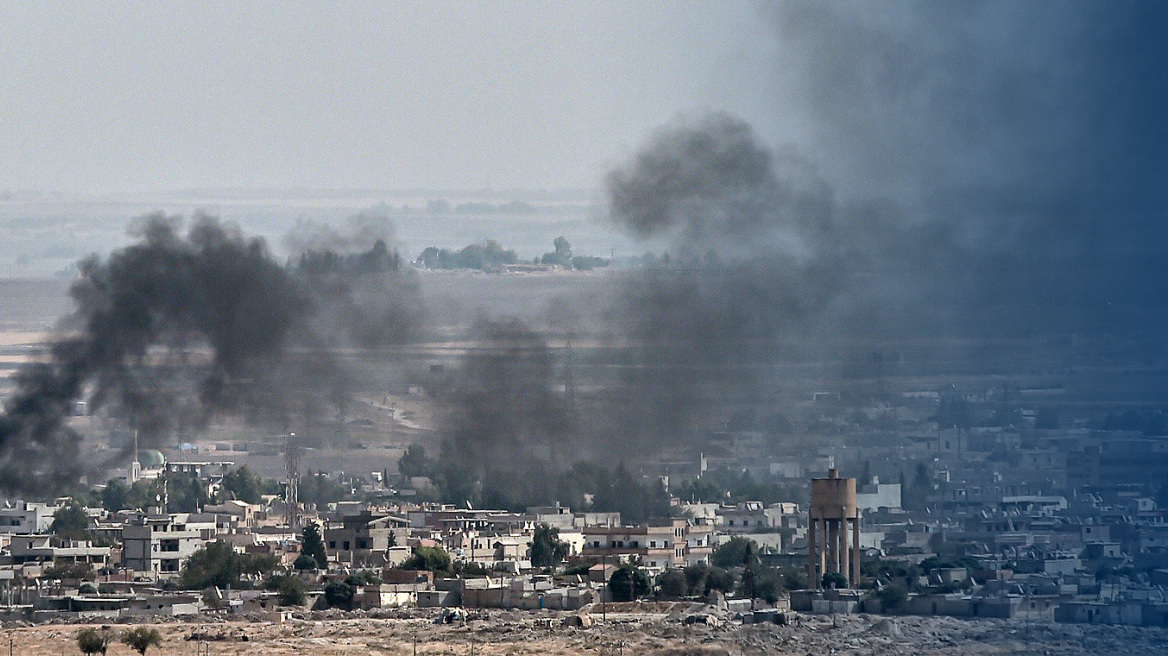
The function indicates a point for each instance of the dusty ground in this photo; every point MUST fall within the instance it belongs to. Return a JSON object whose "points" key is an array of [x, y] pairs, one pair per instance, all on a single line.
{"points": [[506, 633]]}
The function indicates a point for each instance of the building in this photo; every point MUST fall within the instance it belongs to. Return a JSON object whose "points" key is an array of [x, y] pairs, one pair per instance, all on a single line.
{"points": [[659, 544], [40, 549], [363, 539], [26, 518], [159, 545], [752, 516]]}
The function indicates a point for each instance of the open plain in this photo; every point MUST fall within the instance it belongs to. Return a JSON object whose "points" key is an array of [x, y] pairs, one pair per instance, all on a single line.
{"points": [[512, 633]]}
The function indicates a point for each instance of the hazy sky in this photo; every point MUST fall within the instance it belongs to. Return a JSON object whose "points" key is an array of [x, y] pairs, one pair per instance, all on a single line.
{"points": [[110, 97], [928, 103]]}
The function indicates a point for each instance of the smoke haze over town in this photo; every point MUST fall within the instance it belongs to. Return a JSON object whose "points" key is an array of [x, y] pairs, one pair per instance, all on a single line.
{"points": [[436, 276]]}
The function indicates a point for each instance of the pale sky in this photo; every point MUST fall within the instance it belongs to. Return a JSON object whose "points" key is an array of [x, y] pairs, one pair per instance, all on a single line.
{"points": [[104, 97]]}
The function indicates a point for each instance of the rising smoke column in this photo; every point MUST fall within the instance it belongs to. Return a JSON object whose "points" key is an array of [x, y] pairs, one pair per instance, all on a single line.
{"points": [[752, 263], [504, 412], [168, 334], [366, 299]]}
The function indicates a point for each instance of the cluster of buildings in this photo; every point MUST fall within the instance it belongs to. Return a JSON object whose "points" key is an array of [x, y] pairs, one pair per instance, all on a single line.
{"points": [[1023, 519], [1015, 521]]}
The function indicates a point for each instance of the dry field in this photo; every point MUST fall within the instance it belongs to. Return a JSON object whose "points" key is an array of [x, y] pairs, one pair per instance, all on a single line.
{"points": [[503, 633]]}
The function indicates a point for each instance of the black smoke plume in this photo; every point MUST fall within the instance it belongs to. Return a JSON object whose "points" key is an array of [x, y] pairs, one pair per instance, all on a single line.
{"points": [[751, 266], [1001, 162], [504, 411], [168, 334]]}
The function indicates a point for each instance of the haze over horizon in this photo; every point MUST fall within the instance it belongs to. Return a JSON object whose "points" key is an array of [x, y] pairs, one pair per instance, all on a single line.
{"points": [[114, 98]]}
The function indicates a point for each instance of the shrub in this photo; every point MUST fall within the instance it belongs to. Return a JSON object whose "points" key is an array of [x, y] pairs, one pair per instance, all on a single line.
{"points": [[141, 638], [628, 583], [93, 641], [893, 598]]}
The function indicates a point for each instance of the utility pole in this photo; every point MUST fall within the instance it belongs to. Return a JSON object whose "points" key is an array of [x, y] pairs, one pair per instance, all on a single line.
{"points": [[292, 484], [604, 573]]}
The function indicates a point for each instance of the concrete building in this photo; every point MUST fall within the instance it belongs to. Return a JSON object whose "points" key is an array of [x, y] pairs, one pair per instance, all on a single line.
{"points": [[659, 544], [39, 549], [27, 518], [363, 539], [878, 495], [159, 545], [752, 516]]}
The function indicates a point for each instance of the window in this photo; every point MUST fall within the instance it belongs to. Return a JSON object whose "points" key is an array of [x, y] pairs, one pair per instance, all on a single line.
{"points": [[332, 544], [652, 544], [345, 545], [596, 543]]}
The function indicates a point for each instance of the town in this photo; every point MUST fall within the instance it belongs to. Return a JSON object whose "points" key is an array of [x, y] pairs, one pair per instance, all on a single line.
{"points": [[1026, 520]]}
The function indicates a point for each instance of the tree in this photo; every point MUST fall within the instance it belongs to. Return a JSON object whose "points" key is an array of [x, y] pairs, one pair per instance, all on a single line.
{"points": [[547, 550], [768, 584], [718, 579], [695, 579], [628, 583], [93, 641], [430, 559], [673, 583], [218, 565], [916, 497], [835, 580], [312, 545], [893, 598], [290, 587], [141, 638], [338, 595], [1162, 494], [115, 496], [414, 462], [736, 551], [70, 522], [320, 490], [1046, 418], [304, 562], [243, 485], [953, 411], [1157, 425], [184, 493], [562, 256]]}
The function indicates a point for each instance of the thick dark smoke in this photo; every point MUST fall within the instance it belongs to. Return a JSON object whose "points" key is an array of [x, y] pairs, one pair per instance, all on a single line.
{"points": [[173, 331], [751, 267], [963, 169], [710, 184], [1006, 158], [505, 410]]}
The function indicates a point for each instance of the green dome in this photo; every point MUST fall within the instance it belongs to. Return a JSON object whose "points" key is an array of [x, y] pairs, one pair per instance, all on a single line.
{"points": [[151, 459]]}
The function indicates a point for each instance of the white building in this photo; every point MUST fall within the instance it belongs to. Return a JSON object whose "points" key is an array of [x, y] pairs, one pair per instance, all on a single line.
{"points": [[161, 544], [27, 518]]}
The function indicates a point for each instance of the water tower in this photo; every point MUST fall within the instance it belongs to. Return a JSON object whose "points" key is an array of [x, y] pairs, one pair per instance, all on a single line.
{"points": [[833, 505]]}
